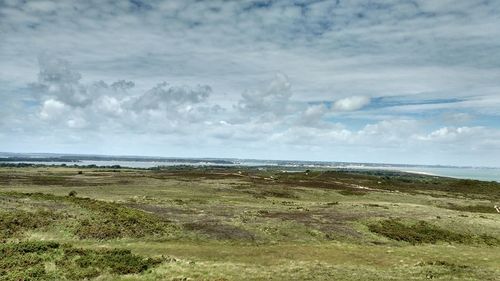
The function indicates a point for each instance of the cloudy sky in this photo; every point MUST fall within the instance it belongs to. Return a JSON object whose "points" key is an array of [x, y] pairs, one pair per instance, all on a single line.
{"points": [[394, 81]]}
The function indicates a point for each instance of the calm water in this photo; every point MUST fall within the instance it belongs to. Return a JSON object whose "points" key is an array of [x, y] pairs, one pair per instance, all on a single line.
{"points": [[486, 174]]}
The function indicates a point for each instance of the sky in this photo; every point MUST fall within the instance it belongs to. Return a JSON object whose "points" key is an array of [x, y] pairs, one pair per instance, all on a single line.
{"points": [[384, 81]]}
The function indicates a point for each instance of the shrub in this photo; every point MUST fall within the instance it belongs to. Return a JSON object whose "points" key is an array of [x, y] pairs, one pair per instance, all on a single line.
{"points": [[423, 232], [473, 208], [14, 222], [25, 261], [349, 192], [106, 220], [119, 261], [111, 220]]}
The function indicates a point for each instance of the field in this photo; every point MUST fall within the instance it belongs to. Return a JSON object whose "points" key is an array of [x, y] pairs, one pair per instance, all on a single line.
{"points": [[181, 223]]}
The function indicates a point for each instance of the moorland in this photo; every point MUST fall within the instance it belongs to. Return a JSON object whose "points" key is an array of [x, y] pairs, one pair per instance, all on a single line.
{"points": [[244, 223]]}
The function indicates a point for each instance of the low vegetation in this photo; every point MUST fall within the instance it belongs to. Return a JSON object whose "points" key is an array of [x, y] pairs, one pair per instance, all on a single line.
{"points": [[480, 208], [53, 261], [110, 220], [234, 223], [424, 232], [15, 222]]}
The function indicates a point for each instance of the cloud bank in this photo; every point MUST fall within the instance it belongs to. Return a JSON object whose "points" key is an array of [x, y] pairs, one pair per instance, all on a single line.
{"points": [[380, 81]]}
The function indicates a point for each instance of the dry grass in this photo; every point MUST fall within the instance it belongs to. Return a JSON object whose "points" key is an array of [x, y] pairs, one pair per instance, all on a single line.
{"points": [[249, 224]]}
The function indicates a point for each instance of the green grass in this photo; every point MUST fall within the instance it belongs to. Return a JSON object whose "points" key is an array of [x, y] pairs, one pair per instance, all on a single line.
{"points": [[15, 222], [424, 232], [51, 260], [219, 223], [480, 208], [110, 220]]}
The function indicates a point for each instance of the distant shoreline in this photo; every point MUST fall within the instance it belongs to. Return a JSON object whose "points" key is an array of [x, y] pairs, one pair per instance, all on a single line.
{"points": [[422, 173], [482, 174]]}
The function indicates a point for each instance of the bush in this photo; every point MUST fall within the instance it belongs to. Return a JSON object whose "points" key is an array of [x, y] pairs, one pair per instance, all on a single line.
{"points": [[15, 222], [111, 220], [72, 193], [350, 192], [25, 261], [118, 261], [423, 232], [472, 208], [106, 220], [27, 247]]}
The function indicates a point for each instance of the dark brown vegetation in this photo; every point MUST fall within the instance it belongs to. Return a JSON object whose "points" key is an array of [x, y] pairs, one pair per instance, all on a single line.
{"points": [[27, 260], [244, 224], [473, 208], [15, 222], [111, 220], [220, 231], [424, 232], [106, 220]]}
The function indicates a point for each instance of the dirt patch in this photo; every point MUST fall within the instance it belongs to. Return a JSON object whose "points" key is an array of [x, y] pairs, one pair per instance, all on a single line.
{"points": [[11, 178], [194, 175], [352, 189], [331, 223], [163, 212], [304, 217], [219, 230], [48, 179], [353, 192], [262, 193]]}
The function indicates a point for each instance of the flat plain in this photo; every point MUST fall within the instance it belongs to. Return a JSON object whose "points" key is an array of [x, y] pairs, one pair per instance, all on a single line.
{"points": [[237, 223]]}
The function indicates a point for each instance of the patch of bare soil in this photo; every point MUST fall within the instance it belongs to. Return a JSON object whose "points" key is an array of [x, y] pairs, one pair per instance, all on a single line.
{"points": [[166, 213], [330, 222], [220, 231]]}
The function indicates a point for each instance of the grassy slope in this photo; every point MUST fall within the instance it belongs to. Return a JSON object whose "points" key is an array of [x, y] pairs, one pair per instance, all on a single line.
{"points": [[230, 224]]}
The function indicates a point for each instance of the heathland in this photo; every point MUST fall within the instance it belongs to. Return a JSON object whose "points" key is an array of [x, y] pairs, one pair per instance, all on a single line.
{"points": [[237, 223]]}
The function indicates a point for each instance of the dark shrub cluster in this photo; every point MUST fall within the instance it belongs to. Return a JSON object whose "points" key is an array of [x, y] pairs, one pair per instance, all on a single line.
{"points": [[85, 263], [473, 208], [350, 192], [424, 232], [111, 220], [107, 220], [15, 222], [25, 261], [439, 269]]}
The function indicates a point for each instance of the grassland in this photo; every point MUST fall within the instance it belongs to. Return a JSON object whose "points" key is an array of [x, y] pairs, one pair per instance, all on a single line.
{"points": [[66, 223]]}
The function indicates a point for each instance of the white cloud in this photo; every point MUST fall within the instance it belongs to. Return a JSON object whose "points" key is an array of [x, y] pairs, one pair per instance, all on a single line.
{"points": [[109, 105], [273, 101], [351, 103], [41, 6], [163, 96], [452, 134], [52, 109], [97, 105], [437, 63], [77, 123], [313, 115], [403, 127], [272, 117]]}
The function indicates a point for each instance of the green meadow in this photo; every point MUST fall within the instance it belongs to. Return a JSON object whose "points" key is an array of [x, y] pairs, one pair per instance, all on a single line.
{"points": [[221, 223]]}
